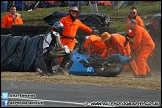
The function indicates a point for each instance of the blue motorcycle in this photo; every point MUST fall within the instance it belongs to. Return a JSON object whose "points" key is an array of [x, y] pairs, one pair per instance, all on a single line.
{"points": [[82, 64]]}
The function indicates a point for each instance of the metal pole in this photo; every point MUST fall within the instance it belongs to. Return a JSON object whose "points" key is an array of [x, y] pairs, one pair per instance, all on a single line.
{"points": [[13, 2], [160, 5], [118, 8], [79, 5], [23, 7], [119, 4]]}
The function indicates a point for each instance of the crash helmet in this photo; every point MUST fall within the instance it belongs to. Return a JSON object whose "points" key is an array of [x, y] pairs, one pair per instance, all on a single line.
{"points": [[58, 27]]}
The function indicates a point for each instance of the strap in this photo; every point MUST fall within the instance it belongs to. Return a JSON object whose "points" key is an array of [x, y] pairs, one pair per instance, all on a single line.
{"points": [[126, 40], [46, 37], [68, 37], [129, 36], [53, 42]]}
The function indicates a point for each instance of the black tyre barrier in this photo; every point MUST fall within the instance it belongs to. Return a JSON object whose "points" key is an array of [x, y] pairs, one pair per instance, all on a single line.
{"points": [[22, 30], [16, 29], [30, 30], [96, 19], [112, 71], [81, 34], [21, 53], [156, 22], [43, 29], [6, 30], [106, 29]]}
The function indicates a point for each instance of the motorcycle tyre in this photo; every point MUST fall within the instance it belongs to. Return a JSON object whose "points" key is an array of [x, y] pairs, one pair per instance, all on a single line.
{"points": [[110, 73]]}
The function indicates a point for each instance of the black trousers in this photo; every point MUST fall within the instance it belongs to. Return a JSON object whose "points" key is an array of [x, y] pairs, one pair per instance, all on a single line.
{"points": [[65, 60]]}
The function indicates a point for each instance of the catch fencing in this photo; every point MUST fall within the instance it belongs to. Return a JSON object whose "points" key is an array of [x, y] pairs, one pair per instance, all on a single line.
{"points": [[111, 5]]}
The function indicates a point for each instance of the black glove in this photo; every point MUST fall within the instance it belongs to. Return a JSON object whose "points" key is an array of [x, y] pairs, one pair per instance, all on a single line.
{"points": [[83, 50], [133, 54], [95, 32], [127, 35]]}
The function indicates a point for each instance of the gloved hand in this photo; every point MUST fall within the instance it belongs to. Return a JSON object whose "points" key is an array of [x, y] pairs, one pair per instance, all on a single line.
{"points": [[95, 32], [67, 50], [131, 41], [83, 50]]}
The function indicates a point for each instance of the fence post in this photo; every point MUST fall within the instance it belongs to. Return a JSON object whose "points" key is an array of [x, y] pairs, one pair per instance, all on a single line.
{"points": [[14, 3], [118, 5], [79, 6], [117, 9], [160, 5]]}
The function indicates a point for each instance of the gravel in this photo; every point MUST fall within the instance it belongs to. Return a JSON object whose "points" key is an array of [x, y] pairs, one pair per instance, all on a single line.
{"points": [[125, 79]]}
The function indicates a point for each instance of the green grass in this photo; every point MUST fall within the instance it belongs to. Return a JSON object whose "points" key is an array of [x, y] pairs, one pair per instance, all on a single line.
{"points": [[144, 9]]}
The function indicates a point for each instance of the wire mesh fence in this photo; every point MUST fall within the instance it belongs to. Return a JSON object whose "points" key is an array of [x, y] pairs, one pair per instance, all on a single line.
{"points": [[96, 6], [114, 9], [118, 11]]}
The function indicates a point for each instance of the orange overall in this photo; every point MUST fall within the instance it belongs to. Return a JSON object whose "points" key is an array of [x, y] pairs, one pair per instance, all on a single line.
{"points": [[94, 45], [143, 46], [131, 33], [70, 29], [8, 20], [116, 45]]}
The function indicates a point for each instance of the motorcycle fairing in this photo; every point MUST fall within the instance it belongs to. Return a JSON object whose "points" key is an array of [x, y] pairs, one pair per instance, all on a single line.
{"points": [[77, 68]]}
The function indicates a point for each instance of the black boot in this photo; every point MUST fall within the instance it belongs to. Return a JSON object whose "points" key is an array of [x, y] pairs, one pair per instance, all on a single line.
{"points": [[49, 74], [63, 70], [48, 62], [49, 67], [42, 72]]}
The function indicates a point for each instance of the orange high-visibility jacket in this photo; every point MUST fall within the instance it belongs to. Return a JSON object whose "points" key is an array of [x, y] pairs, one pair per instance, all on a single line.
{"points": [[116, 46], [70, 28], [142, 37], [139, 22], [8, 20], [94, 44]]}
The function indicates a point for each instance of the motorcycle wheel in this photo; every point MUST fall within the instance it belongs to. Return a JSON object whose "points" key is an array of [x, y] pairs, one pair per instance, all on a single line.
{"points": [[112, 71]]}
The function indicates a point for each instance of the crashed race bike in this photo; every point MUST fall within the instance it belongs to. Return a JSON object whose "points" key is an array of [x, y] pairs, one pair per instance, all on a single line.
{"points": [[82, 64]]}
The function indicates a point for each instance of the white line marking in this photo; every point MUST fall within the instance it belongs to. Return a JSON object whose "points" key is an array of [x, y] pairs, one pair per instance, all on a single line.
{"points": [[66, 102], [76, 103]]}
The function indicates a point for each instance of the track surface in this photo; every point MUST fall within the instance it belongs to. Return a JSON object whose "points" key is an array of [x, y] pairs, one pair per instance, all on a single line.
{"points": [[73, 95], [75, 91]]}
